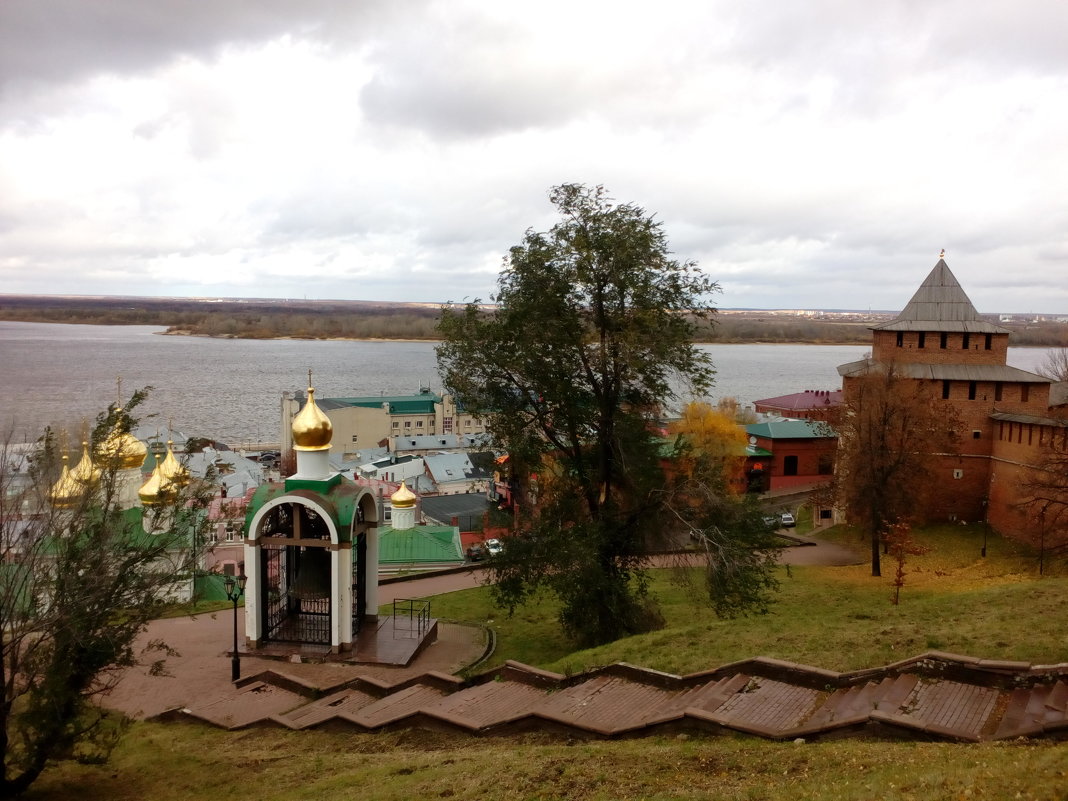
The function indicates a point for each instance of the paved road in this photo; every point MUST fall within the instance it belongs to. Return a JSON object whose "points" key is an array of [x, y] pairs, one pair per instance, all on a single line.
{"points": [[822, 553]]}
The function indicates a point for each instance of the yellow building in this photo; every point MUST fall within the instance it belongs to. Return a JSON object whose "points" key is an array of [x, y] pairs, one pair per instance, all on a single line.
{"points": [[371, 421]]}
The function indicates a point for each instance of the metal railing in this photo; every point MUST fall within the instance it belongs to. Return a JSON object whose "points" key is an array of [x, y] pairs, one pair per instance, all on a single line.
{"points": [[411, 617]]}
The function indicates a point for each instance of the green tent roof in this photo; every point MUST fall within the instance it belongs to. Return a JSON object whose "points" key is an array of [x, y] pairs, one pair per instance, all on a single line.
{"points": [[421, 544]]}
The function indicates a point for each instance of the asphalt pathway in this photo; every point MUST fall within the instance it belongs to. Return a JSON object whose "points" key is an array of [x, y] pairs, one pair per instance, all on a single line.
{"points": [[821, 552]]}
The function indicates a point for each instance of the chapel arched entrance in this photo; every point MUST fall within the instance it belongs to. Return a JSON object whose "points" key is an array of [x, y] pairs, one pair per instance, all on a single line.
{"points": [[295, 576]]}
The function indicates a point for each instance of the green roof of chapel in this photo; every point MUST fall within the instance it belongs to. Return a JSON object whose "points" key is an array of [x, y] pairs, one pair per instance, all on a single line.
{"points": [[419, 544]]}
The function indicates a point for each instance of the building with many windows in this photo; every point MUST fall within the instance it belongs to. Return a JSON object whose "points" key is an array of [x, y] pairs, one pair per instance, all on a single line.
{"points": [[377, 420]]}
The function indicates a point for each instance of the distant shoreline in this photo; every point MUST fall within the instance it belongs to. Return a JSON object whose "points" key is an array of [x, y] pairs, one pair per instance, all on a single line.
{"points": [[420, 325], [170, 333]]}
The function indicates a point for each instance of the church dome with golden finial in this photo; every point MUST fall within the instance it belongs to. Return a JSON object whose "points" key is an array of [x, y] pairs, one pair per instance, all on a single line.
{"points": [[85, 472], [66, 492], [403, 498], [122, 450], [312, 430], [157, 489], [172, 470]]}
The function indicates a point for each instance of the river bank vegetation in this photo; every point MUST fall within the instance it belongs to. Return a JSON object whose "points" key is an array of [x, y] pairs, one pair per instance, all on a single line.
{"points": [[343, 319]]}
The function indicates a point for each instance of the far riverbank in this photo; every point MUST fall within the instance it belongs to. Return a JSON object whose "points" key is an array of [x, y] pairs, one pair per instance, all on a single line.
{"points": [[230, 389]]}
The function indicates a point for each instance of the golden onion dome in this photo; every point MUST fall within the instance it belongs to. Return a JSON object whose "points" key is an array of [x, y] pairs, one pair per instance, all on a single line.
{"points": [[122, 450], [312, 430], [85, 472], [173, 470], [403, 498], [157, 489], [66, 492]]}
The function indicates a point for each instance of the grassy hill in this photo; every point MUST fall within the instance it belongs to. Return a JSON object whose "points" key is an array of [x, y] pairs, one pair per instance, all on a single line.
{"points": [[837, 618]]}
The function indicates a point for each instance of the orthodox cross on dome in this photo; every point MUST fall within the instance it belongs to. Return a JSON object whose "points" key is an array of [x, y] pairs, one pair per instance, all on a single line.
{"points": [[309, 377], [118, 390]]}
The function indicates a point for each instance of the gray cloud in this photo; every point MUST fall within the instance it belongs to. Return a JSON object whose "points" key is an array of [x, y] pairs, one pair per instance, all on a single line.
{"points": [[819, 155], [64, 40]]}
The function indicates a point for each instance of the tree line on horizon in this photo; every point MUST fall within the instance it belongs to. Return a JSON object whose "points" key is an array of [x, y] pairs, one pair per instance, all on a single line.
{"points": [[355, 320]]}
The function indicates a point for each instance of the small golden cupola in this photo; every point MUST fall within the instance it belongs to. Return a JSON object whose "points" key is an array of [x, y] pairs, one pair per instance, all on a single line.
{"points": [[66, 492], [158, 489], [122, 450], [403, 502], [85, 472], [403, 498], [312, 430], [172, 470]]}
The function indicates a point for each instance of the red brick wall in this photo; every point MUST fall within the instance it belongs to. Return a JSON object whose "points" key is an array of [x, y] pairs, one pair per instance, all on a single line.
{"points": [[885, 348], [959, 496], [1017, 446], [808, 453]]}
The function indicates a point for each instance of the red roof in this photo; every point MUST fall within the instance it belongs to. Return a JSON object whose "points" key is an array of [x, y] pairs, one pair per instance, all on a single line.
{"points": [[802, 401]]}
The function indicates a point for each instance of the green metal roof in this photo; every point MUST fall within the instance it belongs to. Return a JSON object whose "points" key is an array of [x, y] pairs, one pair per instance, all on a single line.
{"points": [[421, 544], [343, 495], [787, 429], [398, 404]]}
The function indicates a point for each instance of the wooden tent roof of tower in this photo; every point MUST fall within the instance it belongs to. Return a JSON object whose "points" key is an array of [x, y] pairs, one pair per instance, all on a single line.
{"points": [[940, 304]]}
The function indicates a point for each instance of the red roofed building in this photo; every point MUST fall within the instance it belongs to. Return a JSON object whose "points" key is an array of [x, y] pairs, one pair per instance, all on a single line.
{"points": [[800, 405]]}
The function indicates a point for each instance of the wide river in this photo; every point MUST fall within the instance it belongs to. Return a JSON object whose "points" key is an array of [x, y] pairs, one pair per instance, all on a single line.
{"points": [[229, 389]]}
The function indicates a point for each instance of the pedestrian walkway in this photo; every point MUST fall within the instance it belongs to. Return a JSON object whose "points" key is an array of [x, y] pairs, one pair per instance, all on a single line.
{"points": [[932, 696], [199, 674]]}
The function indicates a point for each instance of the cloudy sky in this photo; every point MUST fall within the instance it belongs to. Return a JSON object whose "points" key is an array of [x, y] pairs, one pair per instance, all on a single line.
{"points": [[812, 154]]}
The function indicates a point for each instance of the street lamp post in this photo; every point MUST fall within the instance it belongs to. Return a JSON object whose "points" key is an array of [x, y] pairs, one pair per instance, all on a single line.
{"points": [[235, 588]]}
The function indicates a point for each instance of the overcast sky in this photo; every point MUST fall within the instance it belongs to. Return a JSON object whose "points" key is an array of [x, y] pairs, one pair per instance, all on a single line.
{"points": [[807, 154]]}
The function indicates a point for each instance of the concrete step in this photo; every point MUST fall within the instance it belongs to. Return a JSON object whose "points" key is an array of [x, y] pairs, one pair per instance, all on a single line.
{"points": [[253, 703], [394, 707], [343, 702], [487, 705], [605, 704]]}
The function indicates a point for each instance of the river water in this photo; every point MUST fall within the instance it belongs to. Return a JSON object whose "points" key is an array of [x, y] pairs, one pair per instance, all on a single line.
{"points": [[229, 389]]}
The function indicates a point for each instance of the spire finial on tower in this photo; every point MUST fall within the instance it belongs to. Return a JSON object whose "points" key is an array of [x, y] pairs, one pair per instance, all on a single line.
{"points": [[942, 255]]}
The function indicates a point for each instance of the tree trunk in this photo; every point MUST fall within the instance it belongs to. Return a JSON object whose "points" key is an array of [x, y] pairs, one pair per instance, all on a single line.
{"points": [[875, 567]]}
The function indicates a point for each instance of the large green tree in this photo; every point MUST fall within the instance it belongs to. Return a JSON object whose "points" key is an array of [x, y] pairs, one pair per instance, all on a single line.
{"points": [[80, 577], [591, 334]]}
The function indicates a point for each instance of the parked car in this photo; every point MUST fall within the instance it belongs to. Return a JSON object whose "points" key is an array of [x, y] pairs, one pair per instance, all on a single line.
{"points": [[787, 520], [494, 547], [771, 521], [476, 553]]}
